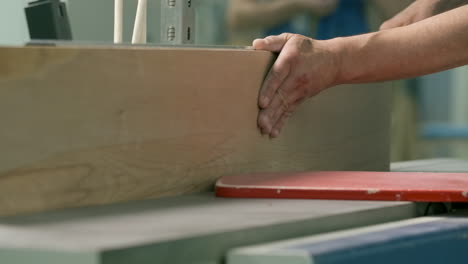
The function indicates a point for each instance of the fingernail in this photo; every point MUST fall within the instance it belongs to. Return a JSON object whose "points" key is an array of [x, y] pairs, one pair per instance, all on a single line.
{"points": [[257, 43]]}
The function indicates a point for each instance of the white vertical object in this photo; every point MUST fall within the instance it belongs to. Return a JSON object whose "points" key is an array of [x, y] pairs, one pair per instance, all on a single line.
{"points": [[177, 22], [145, 24], [118, 21], [139, 29]]}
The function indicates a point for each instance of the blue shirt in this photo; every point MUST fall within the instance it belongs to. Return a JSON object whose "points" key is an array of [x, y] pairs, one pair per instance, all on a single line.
{"points": [[348, 19]]}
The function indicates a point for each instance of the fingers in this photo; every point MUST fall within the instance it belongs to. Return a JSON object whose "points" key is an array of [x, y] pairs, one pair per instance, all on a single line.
{"points": [[276, 131], [275, 120], [391, 23], [399, 20], [268, 117], [278, 73], [272, 43], [280, 69], [283, 88], [285, 101]]}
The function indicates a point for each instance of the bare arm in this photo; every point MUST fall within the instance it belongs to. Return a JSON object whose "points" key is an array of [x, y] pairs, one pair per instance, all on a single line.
{"points": [[418, 10], [431, 45], [248, 13], [305, 66]]}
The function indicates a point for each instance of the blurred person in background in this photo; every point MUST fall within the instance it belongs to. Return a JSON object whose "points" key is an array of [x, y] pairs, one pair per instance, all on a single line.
{"points": [[250, 19], [320, 19]]}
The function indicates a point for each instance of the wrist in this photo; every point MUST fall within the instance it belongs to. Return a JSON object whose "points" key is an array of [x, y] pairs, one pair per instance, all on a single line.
{"points": [[352, 57], [338, 52]]}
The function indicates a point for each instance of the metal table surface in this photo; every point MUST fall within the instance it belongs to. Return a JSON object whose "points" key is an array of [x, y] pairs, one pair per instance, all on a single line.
{"points": [[187, 229]]}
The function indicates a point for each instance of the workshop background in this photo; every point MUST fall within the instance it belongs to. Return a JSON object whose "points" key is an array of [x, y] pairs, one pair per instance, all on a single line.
{"points": [[430, 117]]}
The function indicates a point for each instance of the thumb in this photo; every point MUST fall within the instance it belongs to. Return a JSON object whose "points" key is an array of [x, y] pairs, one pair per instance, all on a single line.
{"points": [[389, 24], [272, 43], [394, 22]]}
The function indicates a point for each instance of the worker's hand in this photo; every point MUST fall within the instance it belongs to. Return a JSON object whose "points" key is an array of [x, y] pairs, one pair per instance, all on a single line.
{"points": [[303, 69], [419, 10]]}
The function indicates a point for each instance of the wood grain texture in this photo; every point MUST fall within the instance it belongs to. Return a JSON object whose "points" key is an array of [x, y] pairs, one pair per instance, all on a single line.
{"points": [[96, 125]]}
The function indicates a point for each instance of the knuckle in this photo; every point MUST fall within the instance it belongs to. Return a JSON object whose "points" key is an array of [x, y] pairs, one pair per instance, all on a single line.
{"points": [[284, 99], [287, 35], [292, 57], [269, 39], [268, 114], [386, 25], [302, 84], [281, 93], [292, 35], [279, 71], [264, 120], [275, 74], [274, 79], [289, 112], [305, 44]]}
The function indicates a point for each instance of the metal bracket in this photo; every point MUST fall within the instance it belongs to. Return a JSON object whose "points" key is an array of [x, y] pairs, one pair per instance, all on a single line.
{"points": [[177, 22]]}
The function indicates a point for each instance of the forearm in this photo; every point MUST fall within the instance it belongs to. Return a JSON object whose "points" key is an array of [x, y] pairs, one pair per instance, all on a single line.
{"points": [[433, 44], [244, 14], [305, 66]]}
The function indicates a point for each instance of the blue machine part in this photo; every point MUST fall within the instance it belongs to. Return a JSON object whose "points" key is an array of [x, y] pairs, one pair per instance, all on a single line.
{"points": [[348, 19], [444, 241], [428, 240]]}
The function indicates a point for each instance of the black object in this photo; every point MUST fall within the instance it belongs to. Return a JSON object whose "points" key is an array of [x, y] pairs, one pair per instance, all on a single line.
{"points": [[48, 19]]}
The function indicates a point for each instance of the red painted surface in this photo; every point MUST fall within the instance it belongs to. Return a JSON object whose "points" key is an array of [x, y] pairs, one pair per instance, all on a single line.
{"points": [[348, 185]]}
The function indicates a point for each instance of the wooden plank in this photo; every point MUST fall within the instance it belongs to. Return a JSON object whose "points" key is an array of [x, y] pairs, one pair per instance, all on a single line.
{"points": [[97, 125], [421, 240], [348, 185], [196, 228]]}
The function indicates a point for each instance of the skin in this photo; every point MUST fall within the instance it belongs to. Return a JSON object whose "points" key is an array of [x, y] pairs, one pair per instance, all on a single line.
{"points": [[420, 10], [305, 66]]}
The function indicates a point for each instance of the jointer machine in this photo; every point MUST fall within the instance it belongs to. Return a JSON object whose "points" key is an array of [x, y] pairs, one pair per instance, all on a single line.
{"points": [[111, 154]]}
